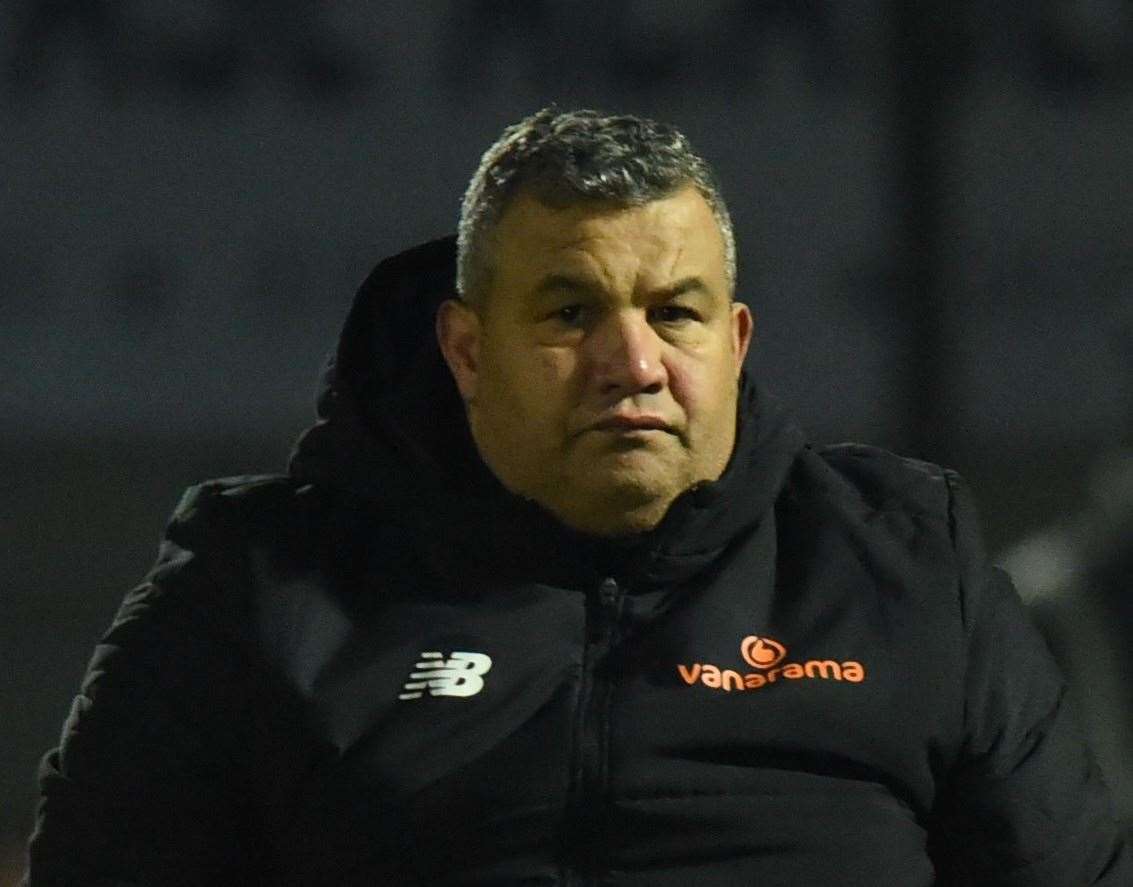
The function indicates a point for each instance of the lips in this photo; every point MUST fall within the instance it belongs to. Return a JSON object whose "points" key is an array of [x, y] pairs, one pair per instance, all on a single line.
{"points": [[632, 423]]}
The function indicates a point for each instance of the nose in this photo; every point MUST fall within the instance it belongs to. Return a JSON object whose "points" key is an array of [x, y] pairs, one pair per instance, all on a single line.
{"points": [[625, 356]]}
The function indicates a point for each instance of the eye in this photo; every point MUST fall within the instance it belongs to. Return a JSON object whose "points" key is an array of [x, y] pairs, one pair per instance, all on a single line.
{"points": [[568, 314], [675, 314]]}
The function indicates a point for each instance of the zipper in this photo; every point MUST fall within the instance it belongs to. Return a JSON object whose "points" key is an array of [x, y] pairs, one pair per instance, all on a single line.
{"points": [[585, 827]]}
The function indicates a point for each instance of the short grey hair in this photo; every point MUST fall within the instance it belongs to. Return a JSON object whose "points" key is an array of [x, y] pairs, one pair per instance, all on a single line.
{"points": [[563, 158]]}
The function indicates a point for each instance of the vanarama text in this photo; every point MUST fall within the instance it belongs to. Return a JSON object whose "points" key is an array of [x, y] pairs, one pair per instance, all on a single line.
{"points": [[728, 679]]}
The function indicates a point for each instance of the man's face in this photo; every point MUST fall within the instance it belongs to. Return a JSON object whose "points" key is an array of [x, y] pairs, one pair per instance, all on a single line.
{"points": [[600, 318]]}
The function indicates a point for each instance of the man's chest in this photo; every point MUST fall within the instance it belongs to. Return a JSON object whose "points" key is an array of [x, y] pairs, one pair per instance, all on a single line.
{"points": [[539, 722]]}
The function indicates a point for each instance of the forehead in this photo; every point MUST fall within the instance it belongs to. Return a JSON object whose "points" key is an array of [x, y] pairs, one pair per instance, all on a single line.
{"points": [[669, 238]]}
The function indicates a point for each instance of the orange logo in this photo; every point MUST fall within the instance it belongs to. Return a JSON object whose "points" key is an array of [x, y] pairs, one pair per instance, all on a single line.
{"points": [[761, 652], [766, 654]]}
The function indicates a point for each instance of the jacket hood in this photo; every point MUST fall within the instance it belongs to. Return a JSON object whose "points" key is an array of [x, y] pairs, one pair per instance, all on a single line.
{"points": [[392, 431]]}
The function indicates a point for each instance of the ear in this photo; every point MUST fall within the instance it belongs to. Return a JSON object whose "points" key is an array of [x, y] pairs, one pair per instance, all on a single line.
{"points": [[458, 334], [743, 328]]}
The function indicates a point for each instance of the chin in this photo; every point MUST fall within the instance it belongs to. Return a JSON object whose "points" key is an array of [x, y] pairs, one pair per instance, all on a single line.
{"points": [[615, 528], [613, 515]]}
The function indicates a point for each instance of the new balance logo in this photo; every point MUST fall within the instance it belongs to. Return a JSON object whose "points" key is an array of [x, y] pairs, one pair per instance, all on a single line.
{"points": [[462, 674]]}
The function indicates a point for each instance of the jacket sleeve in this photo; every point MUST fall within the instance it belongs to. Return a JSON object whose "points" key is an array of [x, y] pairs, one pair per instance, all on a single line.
{"points": [[1025, 804], [147, 783]]}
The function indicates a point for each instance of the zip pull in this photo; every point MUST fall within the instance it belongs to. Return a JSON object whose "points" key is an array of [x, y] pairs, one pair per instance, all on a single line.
{"points": [[604, 608], [608, 590]]}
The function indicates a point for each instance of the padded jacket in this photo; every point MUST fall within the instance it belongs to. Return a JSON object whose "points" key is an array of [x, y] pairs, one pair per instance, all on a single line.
{"points": [[381, 667]]}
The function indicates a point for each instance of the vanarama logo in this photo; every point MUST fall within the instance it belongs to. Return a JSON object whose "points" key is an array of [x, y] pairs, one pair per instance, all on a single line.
{"points": [[766, 654], [761, 652]]}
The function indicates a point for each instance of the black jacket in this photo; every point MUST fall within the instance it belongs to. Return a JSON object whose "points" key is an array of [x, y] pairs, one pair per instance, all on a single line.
{"points": [[383, 668]]}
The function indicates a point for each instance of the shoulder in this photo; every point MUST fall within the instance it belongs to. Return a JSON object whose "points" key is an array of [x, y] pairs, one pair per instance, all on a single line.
{"points": [[223, 498], [879, 495], [207, 536], [927, 506], [237, 526], [880, 480], [247, 506]]}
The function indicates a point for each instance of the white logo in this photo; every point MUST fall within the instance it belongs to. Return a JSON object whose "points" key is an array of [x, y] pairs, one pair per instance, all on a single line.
{"points": [[459, 675]]}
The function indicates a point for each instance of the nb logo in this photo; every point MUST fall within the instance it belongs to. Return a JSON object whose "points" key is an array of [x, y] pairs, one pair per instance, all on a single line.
{"points": [[459, 675]]}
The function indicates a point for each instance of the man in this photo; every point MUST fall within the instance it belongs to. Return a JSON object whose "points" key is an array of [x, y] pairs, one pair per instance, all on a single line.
{"points": [[553, 594]]}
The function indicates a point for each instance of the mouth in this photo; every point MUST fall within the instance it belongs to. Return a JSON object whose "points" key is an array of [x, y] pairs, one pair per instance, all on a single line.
{"points": [[628, 424]]}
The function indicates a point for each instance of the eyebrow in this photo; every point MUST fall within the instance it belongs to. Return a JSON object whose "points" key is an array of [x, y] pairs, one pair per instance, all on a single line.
{"points": [[559, 282], [682, 286]]}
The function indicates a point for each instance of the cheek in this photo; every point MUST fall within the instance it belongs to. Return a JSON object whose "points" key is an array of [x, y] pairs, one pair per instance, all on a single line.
{"points": [[532, 384], [687, 382], [549, 380], [552, 367], [705, 389]]}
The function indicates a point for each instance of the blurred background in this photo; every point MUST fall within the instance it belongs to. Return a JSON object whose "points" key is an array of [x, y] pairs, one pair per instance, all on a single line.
{"points": [[933, 209]]}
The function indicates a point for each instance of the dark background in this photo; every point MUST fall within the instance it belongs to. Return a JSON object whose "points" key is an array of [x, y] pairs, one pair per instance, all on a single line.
{"points": [[932, 206]]}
